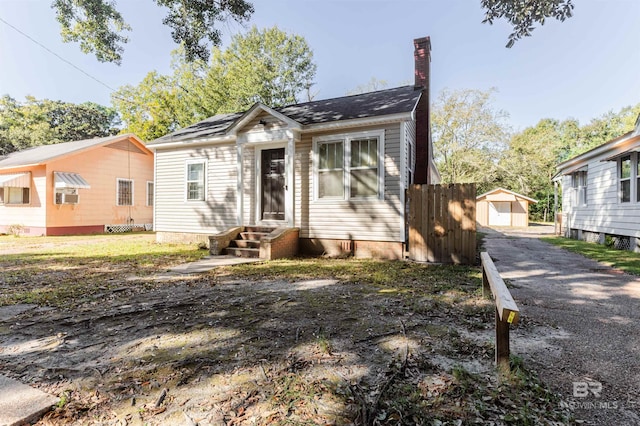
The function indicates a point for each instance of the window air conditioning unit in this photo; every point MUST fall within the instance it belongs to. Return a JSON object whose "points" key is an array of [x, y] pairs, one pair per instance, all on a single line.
{"points": [[70, 199], [69, 196]]}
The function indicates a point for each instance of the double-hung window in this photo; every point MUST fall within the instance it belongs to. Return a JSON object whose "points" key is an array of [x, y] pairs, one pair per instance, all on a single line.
{"points": [[195, 181], [150, 187], [579, 186], [124, 192], [364, 167], [349, 166], [331, 169], [624, 177]]}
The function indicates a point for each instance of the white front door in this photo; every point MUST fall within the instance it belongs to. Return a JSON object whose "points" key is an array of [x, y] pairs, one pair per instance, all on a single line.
{"points": [[499, 213]]}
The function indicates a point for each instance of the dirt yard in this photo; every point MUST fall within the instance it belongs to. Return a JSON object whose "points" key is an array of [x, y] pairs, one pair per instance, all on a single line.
{"points": [[122, 341]]}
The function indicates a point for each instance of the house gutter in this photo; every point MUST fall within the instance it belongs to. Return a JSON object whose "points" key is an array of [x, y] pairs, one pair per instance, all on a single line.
{"points": [[618, 146], [359, 122], [192, 142]]}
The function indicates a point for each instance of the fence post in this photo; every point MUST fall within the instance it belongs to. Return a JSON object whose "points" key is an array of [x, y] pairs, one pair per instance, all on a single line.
{"points": [[506, 311], [502, 342]]}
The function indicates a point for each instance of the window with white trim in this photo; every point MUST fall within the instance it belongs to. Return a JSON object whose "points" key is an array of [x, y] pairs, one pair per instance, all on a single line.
{"points": [[349, 166], [15, 195], [150, 187], [579, 187], [124, 192], [637, 168], [331, 169], [624, 177], [195, 181]]}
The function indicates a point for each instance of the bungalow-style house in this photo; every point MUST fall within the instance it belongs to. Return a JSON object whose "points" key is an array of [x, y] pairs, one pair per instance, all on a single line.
{"points": [[82, 187], [325, 176], [601, 193], [501, 207]]}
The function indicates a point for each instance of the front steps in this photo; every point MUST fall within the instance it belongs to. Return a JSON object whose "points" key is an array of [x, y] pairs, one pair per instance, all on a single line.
{"points": [[247, 244]]}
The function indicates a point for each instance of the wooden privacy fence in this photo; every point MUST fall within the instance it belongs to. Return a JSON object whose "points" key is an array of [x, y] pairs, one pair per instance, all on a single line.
{"points": [[442, 223]]}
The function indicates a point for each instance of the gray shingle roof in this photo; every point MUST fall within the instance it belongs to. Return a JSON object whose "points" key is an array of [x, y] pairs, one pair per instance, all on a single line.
{"points": [[44, 153], [366, 105]]}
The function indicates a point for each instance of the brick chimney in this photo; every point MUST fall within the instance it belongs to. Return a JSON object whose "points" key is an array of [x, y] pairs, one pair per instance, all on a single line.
{"points": [[422, 57]]}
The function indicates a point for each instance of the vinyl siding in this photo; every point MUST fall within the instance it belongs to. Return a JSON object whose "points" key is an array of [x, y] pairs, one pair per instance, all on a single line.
{"points": [[603, 213], [34, 213], [217, 212], [373, 220], [249, 202], [409, 150], [272, 123]]}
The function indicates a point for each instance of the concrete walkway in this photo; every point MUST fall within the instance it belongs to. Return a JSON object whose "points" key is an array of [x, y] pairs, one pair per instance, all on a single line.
{"points": [[210, 262], [579, 326], [21, 404]]}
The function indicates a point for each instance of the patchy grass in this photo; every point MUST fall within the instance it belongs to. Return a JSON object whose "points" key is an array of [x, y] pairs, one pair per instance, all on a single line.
{"points": [[624, 260], [56, 271], [294, 341]]}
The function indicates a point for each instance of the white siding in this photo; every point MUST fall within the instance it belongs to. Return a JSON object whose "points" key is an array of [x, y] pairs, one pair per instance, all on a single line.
{"points": [[603, 212], [409, 150], [249, 185], [373, 220], [173, 213]]}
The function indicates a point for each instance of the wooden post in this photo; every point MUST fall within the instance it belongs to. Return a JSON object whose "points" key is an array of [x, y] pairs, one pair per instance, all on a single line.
{"points": [[507, 312], [502, 342]]}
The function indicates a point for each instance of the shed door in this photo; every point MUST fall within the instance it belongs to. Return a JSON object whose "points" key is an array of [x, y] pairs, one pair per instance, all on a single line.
{"points": [[499, 213], [273, 184]]}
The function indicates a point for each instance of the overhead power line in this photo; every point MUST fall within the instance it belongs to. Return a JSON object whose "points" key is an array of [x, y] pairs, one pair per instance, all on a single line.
{"points": [[97, 80], [57, 56]]}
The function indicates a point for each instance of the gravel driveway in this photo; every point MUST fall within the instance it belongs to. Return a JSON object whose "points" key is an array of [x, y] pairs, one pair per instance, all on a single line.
{"points": [[579, 326]]}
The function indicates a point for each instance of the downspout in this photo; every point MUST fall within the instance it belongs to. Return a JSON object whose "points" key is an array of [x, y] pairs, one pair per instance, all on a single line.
{"points": [[556, 230]]}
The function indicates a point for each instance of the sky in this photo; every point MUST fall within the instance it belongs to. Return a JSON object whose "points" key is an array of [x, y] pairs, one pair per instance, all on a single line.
{"points": [[580, 68]]}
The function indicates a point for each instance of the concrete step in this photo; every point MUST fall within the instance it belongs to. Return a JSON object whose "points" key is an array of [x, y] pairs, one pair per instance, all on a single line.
{"points": [[243, 252], [252, 235], [245, 243], [261, 229], [21, 404]]}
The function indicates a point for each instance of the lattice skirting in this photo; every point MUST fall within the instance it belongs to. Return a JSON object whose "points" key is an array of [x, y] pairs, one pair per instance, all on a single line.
{"points": [[619, 242], [591, 237], [115, 229]]}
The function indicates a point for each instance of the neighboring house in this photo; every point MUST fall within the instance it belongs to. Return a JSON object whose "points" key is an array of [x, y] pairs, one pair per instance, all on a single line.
{"points": [[601, 193], [77, 187], [501, 207], [334, 171]]}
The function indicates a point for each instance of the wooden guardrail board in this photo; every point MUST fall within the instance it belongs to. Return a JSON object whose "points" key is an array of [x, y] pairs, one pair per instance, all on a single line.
{"points": [[506, 306]]}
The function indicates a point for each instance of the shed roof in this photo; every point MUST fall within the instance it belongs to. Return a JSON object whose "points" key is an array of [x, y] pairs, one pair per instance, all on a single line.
{"points": [[367, 105], [44, 153], [515, 194]]}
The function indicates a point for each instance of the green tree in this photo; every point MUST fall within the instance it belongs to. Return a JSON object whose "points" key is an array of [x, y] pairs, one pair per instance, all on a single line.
{"points": [[522, 15], [604, 128], [268, 66], [99, 27], [468, 137], [528, 164], [42, 122]]}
